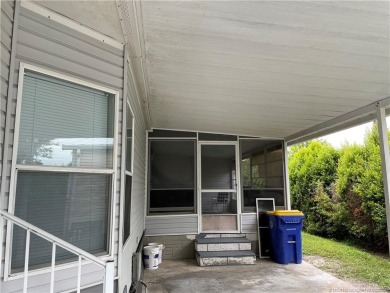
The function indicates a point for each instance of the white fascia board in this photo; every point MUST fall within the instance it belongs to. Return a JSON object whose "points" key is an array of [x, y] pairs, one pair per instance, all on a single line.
{"points": [[28, 4], [362, 115]]}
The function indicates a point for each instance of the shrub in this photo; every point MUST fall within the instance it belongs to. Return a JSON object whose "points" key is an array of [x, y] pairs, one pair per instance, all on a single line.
{"points": [[341, 191], [360, 186], [309, 166]]}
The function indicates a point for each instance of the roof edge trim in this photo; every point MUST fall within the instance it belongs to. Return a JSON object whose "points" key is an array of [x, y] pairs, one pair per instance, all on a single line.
{"points": [[350, 119]]}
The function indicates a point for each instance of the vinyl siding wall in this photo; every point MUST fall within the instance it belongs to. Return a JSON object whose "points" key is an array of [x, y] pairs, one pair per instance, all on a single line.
{"points": [[7, 20], [7, 16], [137, 223], [248, 223], [48, 44], [171, 225]]}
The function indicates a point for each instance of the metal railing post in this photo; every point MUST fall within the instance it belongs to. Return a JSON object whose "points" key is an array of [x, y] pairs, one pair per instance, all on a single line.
{"points": [[26, 259], [79, 275], [53, 266], [108, 286], [2, 222]]}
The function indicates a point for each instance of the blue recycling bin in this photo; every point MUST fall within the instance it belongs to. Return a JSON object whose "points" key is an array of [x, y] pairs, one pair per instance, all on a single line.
{"points": [[286, 236]]}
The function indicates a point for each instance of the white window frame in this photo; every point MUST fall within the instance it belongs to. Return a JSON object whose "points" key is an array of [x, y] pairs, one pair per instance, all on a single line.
{"points": [[132, 137], [127, 173], [16, 167]]}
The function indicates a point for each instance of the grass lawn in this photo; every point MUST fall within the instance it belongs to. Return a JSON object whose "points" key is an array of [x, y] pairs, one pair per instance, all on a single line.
{"points": [[347, 261]]}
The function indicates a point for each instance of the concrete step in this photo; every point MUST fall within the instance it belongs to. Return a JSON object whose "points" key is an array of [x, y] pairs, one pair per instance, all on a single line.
{"points": [[225, 258], [222, 244], [219, 235]]}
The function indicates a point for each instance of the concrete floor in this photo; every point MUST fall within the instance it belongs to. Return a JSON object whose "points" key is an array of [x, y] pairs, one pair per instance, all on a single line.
{"points": [[185, 276]]}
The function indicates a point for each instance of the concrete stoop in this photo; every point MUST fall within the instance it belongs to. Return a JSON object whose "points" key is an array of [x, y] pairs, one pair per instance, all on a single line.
{"points": [[223, 250]]}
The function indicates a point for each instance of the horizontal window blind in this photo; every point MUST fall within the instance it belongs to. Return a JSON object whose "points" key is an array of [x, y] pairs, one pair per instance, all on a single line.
{"points": [[64, 124], [71, 206]]}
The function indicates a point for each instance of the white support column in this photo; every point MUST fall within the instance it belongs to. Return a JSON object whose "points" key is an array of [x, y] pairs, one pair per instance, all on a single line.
{"points": [[385, 158], [287, 178]]}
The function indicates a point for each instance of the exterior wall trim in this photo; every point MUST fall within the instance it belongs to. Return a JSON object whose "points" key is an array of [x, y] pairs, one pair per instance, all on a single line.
{"points": [[10, 92], [170, 216], [359, 116], [177, 234], [123, 164]]}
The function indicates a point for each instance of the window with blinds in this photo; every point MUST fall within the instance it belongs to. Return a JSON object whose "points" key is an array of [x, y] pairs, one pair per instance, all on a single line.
{"points": [[63, 124]]}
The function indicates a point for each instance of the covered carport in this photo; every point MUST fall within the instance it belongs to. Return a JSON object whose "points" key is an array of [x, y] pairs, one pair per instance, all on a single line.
{"points": [[293, 70], [274, 70]]}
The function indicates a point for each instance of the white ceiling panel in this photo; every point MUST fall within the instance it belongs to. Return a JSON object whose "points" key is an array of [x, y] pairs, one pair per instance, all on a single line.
{"points": [[263, 68]]}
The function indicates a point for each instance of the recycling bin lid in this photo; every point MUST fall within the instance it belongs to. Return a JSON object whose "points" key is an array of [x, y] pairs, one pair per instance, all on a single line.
{"points": [[285, 213]]}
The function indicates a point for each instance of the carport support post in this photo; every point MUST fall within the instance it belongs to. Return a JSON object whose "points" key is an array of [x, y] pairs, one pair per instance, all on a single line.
{"points": [[385, 158], [287, 178]]}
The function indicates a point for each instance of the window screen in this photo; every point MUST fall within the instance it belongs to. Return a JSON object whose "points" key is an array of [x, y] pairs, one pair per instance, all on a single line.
{"points": [[172, 164], [218, 167], [172, 176], [262, 172], [127, 209]]}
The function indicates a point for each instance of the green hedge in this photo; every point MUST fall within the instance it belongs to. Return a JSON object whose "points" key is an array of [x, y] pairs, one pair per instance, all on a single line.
{"points": [[340, 191]]}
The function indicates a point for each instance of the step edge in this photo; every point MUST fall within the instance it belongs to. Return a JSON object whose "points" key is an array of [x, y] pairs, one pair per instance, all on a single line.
{"points": [[237, 239], [250, 253]]}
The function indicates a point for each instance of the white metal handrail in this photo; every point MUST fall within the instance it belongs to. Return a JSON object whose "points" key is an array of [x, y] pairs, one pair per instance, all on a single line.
{"points": [[107, 265]]}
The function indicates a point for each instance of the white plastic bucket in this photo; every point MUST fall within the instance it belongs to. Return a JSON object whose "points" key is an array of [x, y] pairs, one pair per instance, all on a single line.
{"points": [[150, 257], [160, 247]]}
